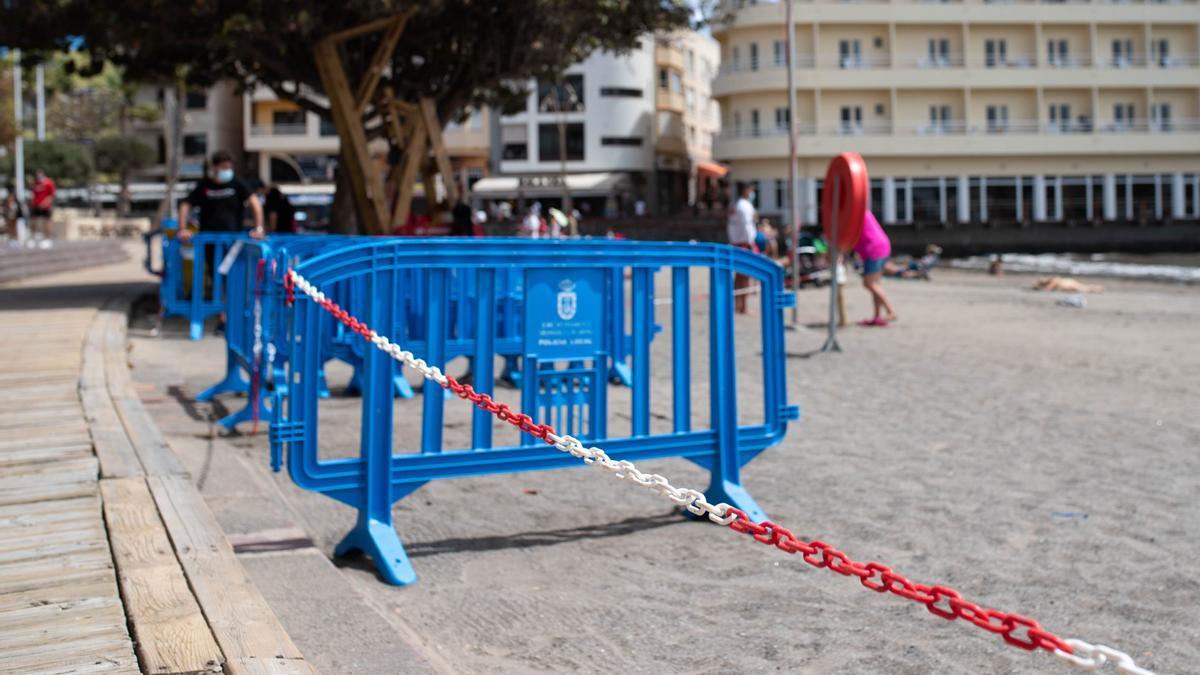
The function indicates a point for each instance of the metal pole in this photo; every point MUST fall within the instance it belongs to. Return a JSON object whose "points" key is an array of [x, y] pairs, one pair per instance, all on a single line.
{"points": [[831, 343], [40, 94], [793, 163], [19, 150]]}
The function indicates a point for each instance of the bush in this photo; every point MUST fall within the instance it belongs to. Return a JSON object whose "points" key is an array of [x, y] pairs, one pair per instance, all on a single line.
{"points": [[68, 164], [121, 154]]}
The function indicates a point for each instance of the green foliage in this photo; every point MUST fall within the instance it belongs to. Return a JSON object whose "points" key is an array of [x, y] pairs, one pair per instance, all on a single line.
{"points": [[119, 155], [69, 164]]}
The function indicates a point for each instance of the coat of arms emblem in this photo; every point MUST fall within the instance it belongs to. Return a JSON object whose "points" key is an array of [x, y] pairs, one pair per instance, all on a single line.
{"points": [[566, 300]]}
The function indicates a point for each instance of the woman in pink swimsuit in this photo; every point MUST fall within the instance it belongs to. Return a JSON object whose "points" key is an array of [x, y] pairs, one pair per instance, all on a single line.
{"points": [[874, 247]]}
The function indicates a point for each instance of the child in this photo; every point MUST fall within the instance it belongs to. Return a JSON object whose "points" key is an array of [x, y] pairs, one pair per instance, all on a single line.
{"points": [[874, 247]]}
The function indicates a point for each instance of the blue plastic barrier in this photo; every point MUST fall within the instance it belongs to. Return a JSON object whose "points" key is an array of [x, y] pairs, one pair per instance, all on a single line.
{"points": [[185, 268], [567, 347]]}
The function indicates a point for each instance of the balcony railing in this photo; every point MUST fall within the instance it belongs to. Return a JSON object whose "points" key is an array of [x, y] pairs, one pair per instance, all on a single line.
{"points": [[278, 129], [802, 128], [855, 62], [746, 65], [927, 61], [1008, 61], [961, 127], [881, 128]]}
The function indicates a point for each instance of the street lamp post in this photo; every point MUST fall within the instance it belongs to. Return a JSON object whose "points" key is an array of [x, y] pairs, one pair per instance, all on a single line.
{"points": [[793, 163], [19, 150]]}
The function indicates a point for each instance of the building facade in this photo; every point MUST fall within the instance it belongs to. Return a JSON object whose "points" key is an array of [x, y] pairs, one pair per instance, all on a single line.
{"points": [[212, 121], [972, 110], [616, 130]]}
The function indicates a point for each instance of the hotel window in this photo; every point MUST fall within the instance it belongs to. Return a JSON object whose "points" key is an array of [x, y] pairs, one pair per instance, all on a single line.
{"points": [[995, 53], [997, 119], [781, 194], [621, 140], [1060, 117], [753, 56], [564, 97], [1057, 53], [737, 57], [288, 122], [514, 142], [939, 118], [1160, 116], [737, 123], [850, 54], [939, 52], [782, 119], [780, 53], [620, 92], [850, 119], [195, 145], [689, 98], [691, 61], [197, 99], [755, 128], [1160, 52], [1122, 52], [1123, 115]]}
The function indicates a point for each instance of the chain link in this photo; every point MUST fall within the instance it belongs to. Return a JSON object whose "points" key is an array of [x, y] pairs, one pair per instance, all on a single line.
{"points": [[1017, 630]]}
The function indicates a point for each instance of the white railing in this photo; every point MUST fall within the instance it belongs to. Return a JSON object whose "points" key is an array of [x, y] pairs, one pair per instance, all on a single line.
{"points": [[803, 128], [278, 129], [1009, 61], [1073, 61], [926, 61], [748, 66]]}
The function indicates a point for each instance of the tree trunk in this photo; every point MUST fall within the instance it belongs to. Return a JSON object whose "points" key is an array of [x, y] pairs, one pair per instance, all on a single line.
{"points": [[123, 198], [173, 109], [345, 220]]}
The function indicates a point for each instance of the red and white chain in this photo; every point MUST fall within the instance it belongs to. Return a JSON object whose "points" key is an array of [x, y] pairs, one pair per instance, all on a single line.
{"points": [[940, 600]]}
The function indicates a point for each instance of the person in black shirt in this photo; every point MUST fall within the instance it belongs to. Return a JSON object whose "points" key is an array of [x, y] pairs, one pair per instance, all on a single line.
{"points": [[222, 199], [278, 212], [463, 227]]}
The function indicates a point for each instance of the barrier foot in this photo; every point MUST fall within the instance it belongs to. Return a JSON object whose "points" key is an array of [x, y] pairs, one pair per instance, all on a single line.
{"points": [[246, 414], [620, 373], [233, 383], [512, 371], [322, 385], [379, 541], [736, 496], [402, 388], [197, 330]]}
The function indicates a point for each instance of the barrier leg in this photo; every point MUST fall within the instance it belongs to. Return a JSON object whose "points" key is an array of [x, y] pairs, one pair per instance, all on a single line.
{"points": [[512, 371], [377, 538], [726, 483], [233, 382], [246, 414]]}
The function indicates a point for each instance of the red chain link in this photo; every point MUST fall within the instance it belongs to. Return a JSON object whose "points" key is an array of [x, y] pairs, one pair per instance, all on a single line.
{"points": [[289, 287], [939, 600]]}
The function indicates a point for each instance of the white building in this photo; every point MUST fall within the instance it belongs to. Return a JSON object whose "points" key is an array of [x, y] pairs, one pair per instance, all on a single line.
{"points": [[635, 126]]}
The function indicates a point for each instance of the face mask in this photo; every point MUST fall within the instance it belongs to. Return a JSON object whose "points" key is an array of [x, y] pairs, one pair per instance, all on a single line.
{"points": [[224, 175]]}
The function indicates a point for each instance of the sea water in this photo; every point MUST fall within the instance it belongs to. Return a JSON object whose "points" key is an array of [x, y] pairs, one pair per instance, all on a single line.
{"points": [[1181, 267]]}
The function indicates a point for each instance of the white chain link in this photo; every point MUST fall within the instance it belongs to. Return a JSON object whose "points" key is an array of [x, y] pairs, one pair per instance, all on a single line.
{"points": [[1087, 656]]}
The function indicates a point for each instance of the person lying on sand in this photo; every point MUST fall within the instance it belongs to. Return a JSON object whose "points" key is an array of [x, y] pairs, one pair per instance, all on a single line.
{"points": [[1066, 285]]}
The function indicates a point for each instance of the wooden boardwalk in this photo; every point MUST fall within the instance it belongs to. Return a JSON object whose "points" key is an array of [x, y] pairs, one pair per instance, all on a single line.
{"points": [[110, 561]]}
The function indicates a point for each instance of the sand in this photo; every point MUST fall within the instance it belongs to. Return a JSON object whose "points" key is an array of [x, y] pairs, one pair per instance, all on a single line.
{"points": [[1038, 458]]}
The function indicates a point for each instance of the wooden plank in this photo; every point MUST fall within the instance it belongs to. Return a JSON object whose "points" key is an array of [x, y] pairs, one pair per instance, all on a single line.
{"points": [[255, 666], [34, 441], [366, 88], [112, 444], [38, 493], [9, 457], [241, 620], [75, 470], [31, 576], [171, 634], [414, 156], [433, 127]]}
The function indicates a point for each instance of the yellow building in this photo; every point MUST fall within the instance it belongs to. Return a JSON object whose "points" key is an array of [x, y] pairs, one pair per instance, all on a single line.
{"points": [[972, 110]]}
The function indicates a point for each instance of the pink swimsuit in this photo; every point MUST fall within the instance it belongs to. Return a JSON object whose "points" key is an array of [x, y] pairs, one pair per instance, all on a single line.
{"points": [[874, 243]]}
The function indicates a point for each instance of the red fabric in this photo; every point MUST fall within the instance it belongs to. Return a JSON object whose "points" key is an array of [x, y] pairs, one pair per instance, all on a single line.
{"points": [[43, 194]]}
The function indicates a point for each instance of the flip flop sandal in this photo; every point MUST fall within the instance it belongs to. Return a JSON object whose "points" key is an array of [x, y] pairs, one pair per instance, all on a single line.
{"points": [[873, 322]]}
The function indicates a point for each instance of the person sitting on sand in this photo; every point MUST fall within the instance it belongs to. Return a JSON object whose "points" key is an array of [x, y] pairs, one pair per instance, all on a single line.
{"points": [[1066, 285], [917, 268]]}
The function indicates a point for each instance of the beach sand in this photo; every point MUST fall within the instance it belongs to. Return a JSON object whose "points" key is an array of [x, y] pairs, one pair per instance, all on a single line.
{"points": [[1040, 459]]}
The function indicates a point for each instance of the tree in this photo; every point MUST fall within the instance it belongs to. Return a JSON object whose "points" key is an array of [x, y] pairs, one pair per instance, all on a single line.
{"points": [[459, 53], [69, 164], [121, 155]]}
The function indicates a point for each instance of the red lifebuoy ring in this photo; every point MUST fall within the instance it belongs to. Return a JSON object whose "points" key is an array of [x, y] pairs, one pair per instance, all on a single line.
{"points": [[850, 172]]}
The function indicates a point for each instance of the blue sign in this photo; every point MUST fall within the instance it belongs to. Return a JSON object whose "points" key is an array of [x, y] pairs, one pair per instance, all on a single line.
{"points": [[564, 313]]}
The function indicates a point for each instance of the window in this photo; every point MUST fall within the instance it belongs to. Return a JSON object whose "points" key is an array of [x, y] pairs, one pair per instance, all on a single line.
{"points": [[566, 96], [676, 82], [781, 193], [1160, 52], [753, 56], [691, 61], [195, 145], [514, 142], [737, 58], [197, 99], [621, 92], [737, 123], [851, 119], [1122, 115], [1160, 116], [995, 53], [1060, 117], [850, 53], [780, 53], [755, 128], [635, 141], [1057, 53], [689, 98], [548, 149], [287, 122], [782, 119], [939, 119], [997, 119], [939, 52], [327, 127], [1122, 52]]}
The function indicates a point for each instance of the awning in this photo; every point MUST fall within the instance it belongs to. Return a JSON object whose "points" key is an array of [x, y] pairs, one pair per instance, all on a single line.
{"points": [[711, 169], [578, 185]]}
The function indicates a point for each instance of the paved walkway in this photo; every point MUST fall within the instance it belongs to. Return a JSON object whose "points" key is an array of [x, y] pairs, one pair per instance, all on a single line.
{"points": [[110, 560]]}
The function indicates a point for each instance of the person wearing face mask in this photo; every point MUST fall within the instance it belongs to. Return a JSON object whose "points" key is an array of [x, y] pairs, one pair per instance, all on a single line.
{"points": [[221, 198], [740, 227]]}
